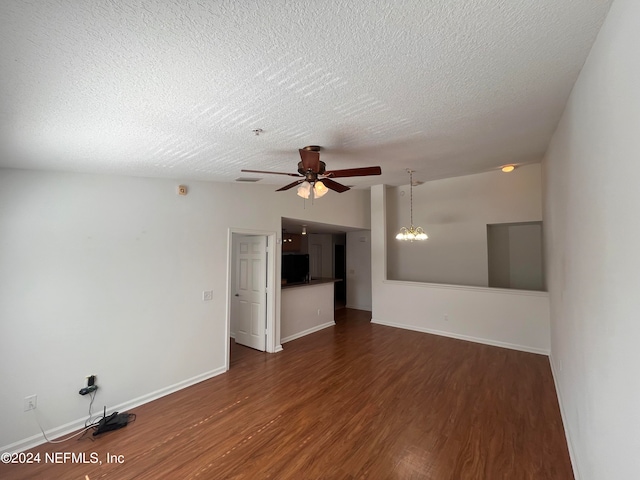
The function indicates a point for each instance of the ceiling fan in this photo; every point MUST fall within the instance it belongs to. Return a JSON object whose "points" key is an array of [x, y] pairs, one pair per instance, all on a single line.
{"points": [[314, 176]]}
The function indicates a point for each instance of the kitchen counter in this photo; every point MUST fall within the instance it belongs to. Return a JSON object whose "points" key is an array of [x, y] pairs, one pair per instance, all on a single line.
{"points": [[312, 282]]}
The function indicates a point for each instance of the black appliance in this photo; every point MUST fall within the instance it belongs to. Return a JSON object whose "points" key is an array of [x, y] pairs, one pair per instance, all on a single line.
{"points": [[295, 268]]}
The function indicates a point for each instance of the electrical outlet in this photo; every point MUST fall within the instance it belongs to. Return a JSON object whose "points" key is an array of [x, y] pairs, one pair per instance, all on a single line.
{"points": [[30, 402], [207, 295], [318, 312]]}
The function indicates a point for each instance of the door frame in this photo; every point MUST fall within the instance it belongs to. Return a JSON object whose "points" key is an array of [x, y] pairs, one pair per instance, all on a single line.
{"points": [[272, 252]]}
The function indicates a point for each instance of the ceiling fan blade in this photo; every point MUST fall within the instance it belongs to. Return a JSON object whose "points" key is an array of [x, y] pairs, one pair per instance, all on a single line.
{"points": [[354, 172], [275, 173], [335, 186], [291, 185], [310, 160]]}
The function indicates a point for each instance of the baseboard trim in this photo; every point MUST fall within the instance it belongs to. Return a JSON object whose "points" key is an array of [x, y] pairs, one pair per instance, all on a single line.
{"points": [[366, 308], [468, 338], [572, 456], [74, 426], [307, 332]]}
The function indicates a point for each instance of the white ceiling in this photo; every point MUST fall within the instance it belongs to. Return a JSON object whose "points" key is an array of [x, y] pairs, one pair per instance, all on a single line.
{"points": [[174, 89]]}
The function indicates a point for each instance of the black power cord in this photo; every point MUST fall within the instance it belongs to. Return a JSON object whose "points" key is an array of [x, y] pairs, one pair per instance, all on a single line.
{"points": [[89, 389]]}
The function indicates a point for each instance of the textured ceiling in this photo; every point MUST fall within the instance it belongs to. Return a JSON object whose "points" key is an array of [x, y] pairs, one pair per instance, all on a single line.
{"points": [[174, 88]]}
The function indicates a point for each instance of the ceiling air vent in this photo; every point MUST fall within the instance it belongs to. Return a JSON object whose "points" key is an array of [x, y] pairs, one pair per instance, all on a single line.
{"points": [[248, 179]]}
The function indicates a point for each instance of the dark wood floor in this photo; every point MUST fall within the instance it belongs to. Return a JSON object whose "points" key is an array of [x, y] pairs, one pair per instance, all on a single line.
{"points": [[356, 401]]}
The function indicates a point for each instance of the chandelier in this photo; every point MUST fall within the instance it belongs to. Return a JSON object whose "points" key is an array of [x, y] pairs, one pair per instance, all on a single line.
{"points": [[412, 233]]}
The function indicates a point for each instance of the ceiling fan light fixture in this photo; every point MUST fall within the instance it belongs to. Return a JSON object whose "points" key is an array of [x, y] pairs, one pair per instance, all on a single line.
{"points": [[304, 190], [319, 189], [312, 173]]}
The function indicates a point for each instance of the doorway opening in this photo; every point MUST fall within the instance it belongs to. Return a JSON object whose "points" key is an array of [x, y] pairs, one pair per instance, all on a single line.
{"points": [[251, 277]]}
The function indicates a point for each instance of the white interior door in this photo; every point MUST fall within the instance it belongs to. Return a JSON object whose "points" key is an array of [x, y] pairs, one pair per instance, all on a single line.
{"points": [[250, 296]]}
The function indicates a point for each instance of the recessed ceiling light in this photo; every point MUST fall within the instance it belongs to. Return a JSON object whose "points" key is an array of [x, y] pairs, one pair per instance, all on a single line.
{"points": [[508, 168]]}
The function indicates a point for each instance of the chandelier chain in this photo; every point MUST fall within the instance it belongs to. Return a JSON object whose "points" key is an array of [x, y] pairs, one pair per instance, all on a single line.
{"points": [[411, 196]]}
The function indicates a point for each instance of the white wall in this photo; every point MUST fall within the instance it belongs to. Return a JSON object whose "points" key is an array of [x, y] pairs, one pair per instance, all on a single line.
{"points": [[359, 270], [592, 234], [104, 275], [455, 212], [508, 318], [306, 309]]}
